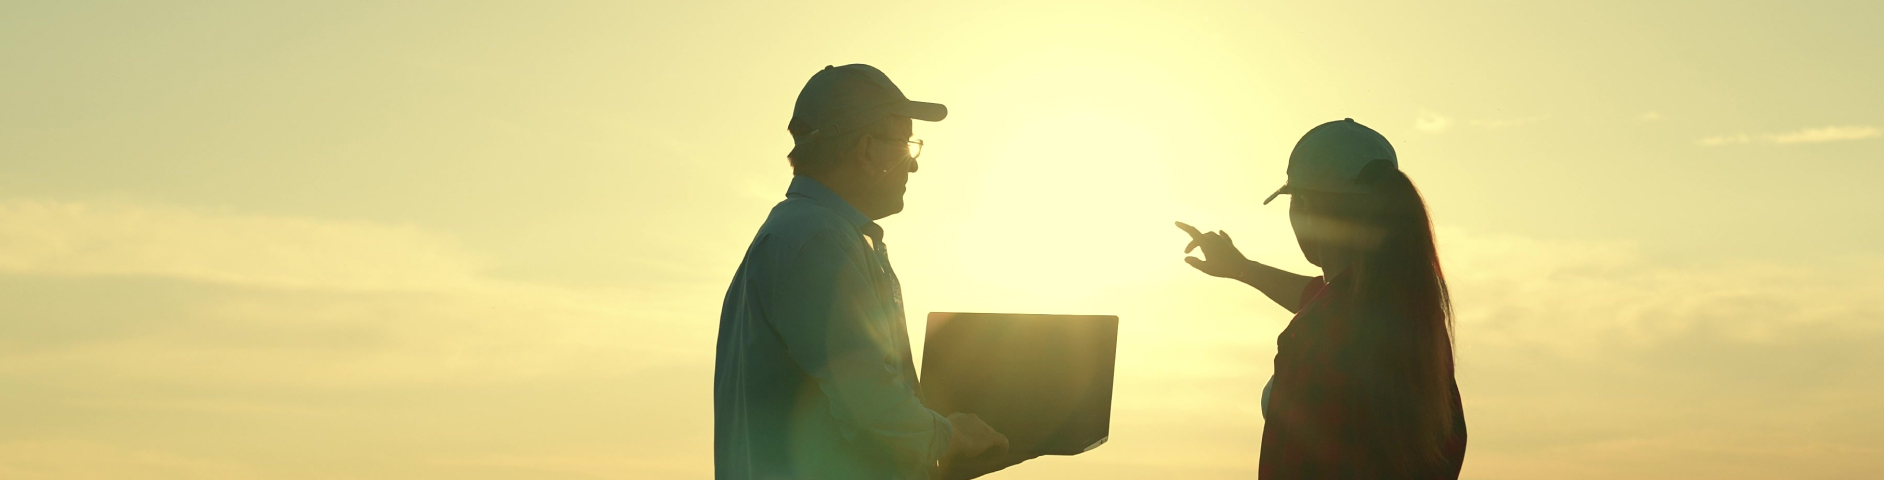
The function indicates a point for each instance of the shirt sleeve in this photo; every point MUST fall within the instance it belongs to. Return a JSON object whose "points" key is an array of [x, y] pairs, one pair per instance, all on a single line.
{"points": [[833, 323]]}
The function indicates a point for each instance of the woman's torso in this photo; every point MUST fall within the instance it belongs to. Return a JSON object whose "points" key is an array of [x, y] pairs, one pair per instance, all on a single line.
{"points": [[1318, 403]]}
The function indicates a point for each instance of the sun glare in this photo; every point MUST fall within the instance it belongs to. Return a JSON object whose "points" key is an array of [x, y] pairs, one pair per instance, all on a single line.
{"points": [[1089, 202]]}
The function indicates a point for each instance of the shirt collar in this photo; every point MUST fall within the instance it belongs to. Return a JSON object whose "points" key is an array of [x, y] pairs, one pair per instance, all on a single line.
{"points": [[803, 186]]}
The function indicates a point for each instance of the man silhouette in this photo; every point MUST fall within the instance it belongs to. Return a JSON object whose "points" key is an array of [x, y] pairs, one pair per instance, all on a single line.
{"points": [[814, 378]]}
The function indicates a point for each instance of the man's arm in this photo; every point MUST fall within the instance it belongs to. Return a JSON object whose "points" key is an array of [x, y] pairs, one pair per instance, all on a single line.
{"points": [[829, 314]]}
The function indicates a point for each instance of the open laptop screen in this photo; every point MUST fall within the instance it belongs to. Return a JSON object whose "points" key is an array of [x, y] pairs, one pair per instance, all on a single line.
{"points": [[1045, 381]]}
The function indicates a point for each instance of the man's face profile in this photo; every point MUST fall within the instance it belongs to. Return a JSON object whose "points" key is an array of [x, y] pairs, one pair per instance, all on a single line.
{"points": [[887, 158]]}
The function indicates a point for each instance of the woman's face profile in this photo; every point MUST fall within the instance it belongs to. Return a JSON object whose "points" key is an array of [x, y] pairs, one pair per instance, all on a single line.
{"points": [[1303, 224], [1324, 238]]}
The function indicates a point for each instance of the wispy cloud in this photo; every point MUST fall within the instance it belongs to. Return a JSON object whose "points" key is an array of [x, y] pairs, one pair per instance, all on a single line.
{"points": [[80, 459], [1507, 122], [1434, 122], [1826, 134], [72, 239], [1711, 342], [1719, 140], [304, 301], [1431, 122], [1806, 135], [1585, 297]]}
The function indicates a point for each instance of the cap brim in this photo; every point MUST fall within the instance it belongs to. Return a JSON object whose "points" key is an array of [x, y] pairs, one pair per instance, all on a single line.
{"points": [[925, 111], [1279, 192]]}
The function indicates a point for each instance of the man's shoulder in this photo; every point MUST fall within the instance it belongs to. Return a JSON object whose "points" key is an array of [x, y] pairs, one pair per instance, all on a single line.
{"points": [[798, 221]]}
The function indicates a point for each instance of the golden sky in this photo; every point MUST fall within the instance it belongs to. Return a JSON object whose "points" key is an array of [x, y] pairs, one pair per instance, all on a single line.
{"points": [[488, 240]]}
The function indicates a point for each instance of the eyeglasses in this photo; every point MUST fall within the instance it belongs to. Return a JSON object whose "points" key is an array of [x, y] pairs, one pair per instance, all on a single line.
{"points": [[911, 148]]}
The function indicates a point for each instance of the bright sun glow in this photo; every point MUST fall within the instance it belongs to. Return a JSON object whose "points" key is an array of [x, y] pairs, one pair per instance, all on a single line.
{"points": [[1080, 194]]}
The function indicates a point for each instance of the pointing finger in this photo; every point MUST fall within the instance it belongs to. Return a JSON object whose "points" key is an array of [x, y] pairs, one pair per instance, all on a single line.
{"points": [[1189, 229]]}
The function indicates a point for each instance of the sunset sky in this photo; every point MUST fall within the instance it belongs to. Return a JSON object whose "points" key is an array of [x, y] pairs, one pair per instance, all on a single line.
{"points": [[489, 240]]}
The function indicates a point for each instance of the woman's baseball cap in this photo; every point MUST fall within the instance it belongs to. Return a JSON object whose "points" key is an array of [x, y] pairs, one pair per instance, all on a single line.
{"points": [[839, 100], [1330, 158]]}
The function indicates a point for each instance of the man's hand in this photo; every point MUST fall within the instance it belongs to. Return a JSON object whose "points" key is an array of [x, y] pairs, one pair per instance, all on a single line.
{"points": [[973, 436], [1221, 258]]}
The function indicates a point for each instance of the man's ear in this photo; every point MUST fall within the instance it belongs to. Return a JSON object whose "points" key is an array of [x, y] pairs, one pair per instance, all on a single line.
{"points": [[858, 155]]}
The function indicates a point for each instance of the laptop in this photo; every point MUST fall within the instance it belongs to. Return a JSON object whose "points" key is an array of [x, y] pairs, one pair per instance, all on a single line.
{"points": [[1044, 381]]}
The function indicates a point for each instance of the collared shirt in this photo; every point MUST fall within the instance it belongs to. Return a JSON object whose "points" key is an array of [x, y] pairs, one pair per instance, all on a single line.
{"points": [[1319, 423], [814, 377]]}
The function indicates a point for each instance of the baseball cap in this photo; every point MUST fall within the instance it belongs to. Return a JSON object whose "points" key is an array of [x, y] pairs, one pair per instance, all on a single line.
{"points": [[1330, 158], [839, 100]]}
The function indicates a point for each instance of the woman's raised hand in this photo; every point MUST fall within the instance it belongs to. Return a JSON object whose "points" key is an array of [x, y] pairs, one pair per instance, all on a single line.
{"points": [[1221, 258]]}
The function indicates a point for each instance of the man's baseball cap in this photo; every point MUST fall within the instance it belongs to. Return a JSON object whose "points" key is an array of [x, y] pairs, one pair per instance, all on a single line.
{"points": [[840, 100], [1330, 158]]}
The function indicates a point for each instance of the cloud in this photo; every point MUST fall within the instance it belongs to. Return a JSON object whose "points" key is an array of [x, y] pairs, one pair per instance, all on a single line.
{"points": [[261, 300], [622, 461], [1586, 359], [308, 338], [40, 237], [1806, 135], [1719, 140], [1504, 123], [1430, 122], [1711, 455], [1586, 296], [76, 460], [1826, 134], [270, 339]]}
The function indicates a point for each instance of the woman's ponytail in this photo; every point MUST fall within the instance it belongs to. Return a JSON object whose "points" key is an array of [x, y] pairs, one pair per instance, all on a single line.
{"points": [[1405, 311]]}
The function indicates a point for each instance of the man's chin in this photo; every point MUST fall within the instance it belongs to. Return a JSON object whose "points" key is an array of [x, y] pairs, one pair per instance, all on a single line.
{"points": [[890, 208]]}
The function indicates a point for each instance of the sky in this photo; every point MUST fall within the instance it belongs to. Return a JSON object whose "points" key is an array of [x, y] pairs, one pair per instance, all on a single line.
{"points": [[489, 240]]}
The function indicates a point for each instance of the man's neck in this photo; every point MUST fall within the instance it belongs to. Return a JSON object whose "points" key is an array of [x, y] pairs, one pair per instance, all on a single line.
{"points": [[847, 188]]}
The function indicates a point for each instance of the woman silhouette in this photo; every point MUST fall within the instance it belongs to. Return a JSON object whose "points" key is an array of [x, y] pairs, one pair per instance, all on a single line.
{"points": [[1363, 385]]}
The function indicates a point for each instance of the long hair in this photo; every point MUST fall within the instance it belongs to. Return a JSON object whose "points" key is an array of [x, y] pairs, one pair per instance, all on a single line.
{"points": [[1404, 317]]}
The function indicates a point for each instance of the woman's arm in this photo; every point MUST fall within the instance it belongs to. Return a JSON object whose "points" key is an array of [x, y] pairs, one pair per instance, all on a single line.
{"points": [[1221, 259], [1279, 285]]}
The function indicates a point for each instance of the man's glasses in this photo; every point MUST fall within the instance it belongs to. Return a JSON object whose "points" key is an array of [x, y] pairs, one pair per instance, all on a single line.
{"points": [[911, 149]]}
